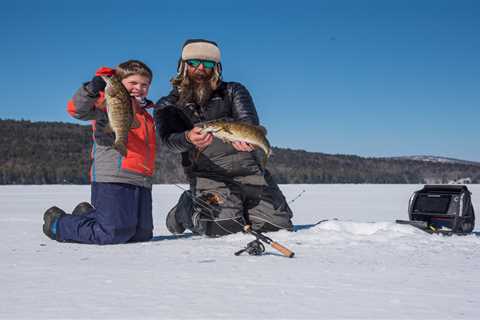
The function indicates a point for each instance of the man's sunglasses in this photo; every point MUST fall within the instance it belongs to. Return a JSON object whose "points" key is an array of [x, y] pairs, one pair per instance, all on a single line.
{"points": [[207, 64]]}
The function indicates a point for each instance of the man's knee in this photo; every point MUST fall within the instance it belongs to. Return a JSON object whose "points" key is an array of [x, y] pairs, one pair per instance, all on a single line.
{"points": [[218, 219], [268, 223], [271, 214], [217, 227], [218, 214]]}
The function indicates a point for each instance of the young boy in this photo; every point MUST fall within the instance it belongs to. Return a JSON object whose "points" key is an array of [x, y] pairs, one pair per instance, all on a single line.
{"points": [[121, 197]]}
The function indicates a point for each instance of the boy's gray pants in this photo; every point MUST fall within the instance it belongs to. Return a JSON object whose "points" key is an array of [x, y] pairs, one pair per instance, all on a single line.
{"points": [[217, 208]]}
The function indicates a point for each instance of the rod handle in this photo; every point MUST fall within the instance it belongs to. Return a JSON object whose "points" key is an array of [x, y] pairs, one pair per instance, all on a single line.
{"points": [[286, 252]]}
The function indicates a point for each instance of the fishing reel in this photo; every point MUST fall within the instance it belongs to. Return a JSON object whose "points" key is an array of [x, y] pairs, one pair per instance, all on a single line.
{"points": [[253, 248]]}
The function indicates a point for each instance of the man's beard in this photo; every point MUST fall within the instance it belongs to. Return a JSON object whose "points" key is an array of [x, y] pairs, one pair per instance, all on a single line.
{"points": [[196, 92]]}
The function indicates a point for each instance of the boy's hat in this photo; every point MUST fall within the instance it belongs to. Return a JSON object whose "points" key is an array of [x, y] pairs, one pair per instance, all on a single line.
{"points": [[201, 49]]}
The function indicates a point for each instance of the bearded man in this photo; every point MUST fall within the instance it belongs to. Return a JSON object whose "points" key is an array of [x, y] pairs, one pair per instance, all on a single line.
{"points": [[228, 186]]}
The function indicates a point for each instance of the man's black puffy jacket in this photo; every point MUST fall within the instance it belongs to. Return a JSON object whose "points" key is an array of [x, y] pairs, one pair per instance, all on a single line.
{"points": [[231, 101]]}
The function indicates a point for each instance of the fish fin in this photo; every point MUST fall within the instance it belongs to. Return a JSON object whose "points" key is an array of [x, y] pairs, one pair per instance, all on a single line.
{"points": [[264, 162], [207, 122], [267, 155], [263, 129], [120, 147]]}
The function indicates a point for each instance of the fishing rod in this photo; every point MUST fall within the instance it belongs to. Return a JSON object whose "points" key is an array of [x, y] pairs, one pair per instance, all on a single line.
{"points": [[260, 236], [255, 247], [298, 196]]}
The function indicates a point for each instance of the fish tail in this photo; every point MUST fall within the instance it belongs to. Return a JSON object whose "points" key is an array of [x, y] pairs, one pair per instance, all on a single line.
{"points": [[267, 153], [264, 161]]}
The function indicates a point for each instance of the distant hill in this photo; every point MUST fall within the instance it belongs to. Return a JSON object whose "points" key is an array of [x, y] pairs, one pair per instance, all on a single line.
{"points": [[436, 159], [59, 153]]}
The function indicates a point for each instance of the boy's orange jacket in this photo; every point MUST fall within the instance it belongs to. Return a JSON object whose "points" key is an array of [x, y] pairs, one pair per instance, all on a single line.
{"points": [[108, 165]]}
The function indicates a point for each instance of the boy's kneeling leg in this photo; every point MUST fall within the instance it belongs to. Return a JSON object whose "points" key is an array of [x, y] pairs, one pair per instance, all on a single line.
{"points": [[144, 228], [112, 221]]}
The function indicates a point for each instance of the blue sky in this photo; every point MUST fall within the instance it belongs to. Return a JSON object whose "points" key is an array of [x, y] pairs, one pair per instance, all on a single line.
{"points": [[371, 78]]}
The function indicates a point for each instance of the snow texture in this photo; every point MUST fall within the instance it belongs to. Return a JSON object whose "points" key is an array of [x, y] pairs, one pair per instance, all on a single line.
{"points": [[362, 265]]}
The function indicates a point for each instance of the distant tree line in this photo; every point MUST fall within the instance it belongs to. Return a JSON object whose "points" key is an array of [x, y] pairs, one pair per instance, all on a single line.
{"points": [[297, 166], [59, 153]]}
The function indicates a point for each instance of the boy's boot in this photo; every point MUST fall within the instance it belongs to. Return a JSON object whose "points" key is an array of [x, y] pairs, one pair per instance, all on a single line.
{"points": [[50, 221], [172, 223], [82, 208]]}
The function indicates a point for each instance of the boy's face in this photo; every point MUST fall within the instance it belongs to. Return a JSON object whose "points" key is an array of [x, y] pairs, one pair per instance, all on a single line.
{"points": [[137, 85]]}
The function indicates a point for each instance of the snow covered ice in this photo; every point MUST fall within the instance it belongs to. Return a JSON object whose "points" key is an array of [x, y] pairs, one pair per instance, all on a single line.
{"points": [[362, 265]]}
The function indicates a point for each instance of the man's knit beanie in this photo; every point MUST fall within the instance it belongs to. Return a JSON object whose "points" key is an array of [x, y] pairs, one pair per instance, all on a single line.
{"points": [[201, 49]]}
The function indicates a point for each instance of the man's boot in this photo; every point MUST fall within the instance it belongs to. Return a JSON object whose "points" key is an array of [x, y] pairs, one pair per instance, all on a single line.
{"points": [[50, 221], [82, 208], [172, 223]]}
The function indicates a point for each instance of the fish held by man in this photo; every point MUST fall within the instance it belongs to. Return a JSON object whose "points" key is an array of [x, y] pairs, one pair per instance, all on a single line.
{"points": [[239, 131], [121, 115]]}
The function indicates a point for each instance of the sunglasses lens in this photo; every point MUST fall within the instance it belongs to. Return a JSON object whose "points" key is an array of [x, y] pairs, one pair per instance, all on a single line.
{"points": [[208, 64], [194, 63]]}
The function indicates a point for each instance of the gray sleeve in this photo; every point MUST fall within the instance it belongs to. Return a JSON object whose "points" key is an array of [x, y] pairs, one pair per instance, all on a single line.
{"points": [[82, 106]]}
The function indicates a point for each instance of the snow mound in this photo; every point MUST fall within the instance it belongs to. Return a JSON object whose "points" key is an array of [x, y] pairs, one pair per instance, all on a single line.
{"points": [[365, 228], [375, 234]]}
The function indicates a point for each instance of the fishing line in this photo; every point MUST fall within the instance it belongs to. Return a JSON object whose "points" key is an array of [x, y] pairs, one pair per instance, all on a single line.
{"points": [[209, 208], [207, 205], [298, 196], [254, 247]]}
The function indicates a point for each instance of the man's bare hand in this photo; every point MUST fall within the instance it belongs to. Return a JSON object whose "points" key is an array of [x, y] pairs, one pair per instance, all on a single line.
{"points": [[199, 139], [243, 146]]}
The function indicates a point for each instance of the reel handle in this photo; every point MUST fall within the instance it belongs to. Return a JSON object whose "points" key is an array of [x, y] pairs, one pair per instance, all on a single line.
{"points": [[277, 246], [286, 252]]}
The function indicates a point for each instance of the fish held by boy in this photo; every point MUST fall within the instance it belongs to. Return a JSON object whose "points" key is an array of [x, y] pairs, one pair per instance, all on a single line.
{"points": [[239, 131], [121, 115]]}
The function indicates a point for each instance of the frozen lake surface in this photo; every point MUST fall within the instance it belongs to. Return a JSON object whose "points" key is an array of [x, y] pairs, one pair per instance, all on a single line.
{"points": [[360, 266]]}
